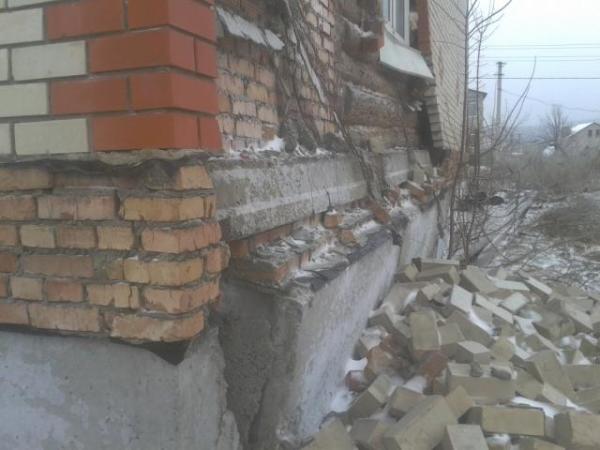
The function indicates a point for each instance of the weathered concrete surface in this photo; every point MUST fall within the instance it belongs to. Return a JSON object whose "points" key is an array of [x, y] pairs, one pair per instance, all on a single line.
{"points": [[421, 238], [254, 196], [258, 195], [286, 353], [76, 393]]}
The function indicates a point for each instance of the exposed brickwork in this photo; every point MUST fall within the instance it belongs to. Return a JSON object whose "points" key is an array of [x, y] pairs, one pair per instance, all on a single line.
{"points": [[133, 253], [107, 75], [257, 84]]}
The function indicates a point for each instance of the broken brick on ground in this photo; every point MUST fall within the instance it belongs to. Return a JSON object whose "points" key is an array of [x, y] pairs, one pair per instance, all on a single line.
{"points": [[456, 359]]}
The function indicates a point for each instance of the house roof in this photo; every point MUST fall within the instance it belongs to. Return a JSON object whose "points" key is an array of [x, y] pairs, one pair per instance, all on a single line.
{"points": [[582, 126], [478, 93]]}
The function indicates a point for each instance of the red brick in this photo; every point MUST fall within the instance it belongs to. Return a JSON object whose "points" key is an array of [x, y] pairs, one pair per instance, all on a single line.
{"points": [[75, 237], [262, 274], [173, 90], [17, 207], [379, 213], [115, 238], [192, 177], [206, 59], [189, 15], [145, 131], [332, 219], [40, 236], [240, 248], [88, 96], [433, 365], [119, 295], [13, 314], [133, 327], [8, 235], [113, 270], [159, 209], [26, 288], [59, 265], [217, 259], [177, 301], [210, 206], [24, 179], [155, 48], [163, 273], [269, 236], [64, 318], [72, 207], [64, 291], [170, 240], [210, 134], [84, 17], [8, 262]]}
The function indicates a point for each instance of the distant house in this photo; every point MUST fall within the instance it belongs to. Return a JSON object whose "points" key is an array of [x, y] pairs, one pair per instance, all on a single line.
{"points": [[584, 137], [475, 102]]}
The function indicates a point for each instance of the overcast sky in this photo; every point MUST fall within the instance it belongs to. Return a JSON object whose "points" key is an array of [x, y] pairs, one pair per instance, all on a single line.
{"points": [[565, 37]]}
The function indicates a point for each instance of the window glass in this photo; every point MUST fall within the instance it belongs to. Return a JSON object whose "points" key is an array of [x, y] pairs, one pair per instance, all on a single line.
{"points": [[387, 10], [400, 25]]}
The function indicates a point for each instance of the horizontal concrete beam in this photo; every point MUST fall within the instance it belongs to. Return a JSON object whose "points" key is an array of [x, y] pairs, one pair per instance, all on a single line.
{"points": [[258, 195], [254, 196]]}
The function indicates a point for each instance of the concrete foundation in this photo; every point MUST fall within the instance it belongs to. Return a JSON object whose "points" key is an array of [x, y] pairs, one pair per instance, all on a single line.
{"points": [[422, 235], [286, 352], [76, 393]]}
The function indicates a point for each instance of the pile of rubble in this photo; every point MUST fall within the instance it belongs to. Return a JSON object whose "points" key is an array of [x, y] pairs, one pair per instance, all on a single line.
{"points": [[458, 359]]}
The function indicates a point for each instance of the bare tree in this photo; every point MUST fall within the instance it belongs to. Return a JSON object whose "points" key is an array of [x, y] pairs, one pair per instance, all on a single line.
{"points": [[553, 128], [469, 212]]}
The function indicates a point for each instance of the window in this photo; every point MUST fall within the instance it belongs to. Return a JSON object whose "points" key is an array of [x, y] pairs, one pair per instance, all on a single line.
{"points": [[396, 14], [597, 133], [590, 133], [396, 53]]}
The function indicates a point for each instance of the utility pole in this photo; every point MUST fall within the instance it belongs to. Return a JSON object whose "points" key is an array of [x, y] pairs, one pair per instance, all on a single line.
{"points": [[500, 75]]}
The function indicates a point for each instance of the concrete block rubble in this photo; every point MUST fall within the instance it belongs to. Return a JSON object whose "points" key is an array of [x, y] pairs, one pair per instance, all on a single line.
{"points": [[456, 358]]}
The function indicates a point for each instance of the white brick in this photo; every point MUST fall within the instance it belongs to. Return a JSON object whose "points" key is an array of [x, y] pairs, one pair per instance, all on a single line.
{"points": [[3, 64], [54, 137], [23, 100], [49, 61], [4, 139], [21, 26], [17, 3]]}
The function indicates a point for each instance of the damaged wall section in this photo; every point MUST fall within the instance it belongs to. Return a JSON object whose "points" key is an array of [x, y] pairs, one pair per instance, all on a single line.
{"points": [[129, 250]]}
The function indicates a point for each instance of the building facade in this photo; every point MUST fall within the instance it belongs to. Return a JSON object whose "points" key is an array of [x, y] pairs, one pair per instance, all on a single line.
{"points": [[201, 201], [584, 139]]}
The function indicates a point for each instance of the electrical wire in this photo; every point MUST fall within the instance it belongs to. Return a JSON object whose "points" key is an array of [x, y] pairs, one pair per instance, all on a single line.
{"points": [[538, 100]]}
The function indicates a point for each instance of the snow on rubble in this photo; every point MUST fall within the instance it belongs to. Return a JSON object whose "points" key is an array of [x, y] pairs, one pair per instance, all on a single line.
{"points": [[457, 359]]}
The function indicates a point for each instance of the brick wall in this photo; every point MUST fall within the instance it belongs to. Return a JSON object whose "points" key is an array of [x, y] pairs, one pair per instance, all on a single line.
{"points": [[261, 89], [102, 75], [121, 244], [134, 253], [441, 39]]}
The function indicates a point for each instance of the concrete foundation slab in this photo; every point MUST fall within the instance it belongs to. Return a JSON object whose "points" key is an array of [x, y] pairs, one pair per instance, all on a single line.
{"points": [[286, 350], [86, 393]]}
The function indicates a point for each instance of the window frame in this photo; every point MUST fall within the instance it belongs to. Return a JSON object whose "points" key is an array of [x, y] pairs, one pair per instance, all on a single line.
{"points": [[390, 23]]}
